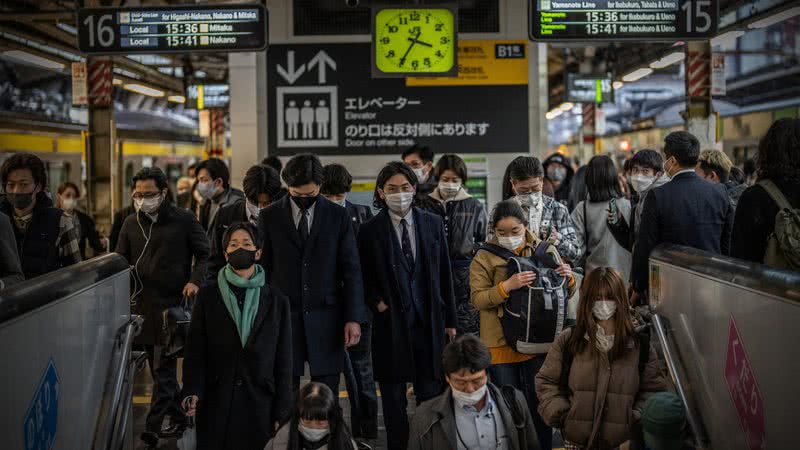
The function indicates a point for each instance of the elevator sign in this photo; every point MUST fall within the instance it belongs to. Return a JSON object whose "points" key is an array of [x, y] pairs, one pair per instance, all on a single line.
{"points": [[613, 20], [170, 29]]}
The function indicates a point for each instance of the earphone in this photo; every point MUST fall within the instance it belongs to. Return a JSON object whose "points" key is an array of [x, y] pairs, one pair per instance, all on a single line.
{"points": [[138, 284]]}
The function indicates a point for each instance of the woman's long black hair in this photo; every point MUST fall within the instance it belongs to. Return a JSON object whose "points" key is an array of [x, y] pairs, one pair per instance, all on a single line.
{"points": [[602, 180], [316, 401]]}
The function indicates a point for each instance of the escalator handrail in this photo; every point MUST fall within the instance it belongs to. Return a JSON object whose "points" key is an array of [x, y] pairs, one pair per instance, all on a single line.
{"points": [[54, 286], [698, 434], [119, 374], [780, 283]]}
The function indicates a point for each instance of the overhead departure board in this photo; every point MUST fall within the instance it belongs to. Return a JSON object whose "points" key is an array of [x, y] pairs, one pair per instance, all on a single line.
{"points": [[169, 29], [612, 20], [589, 88]]}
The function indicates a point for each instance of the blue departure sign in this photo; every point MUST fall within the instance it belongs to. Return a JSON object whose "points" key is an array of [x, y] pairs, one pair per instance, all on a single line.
{"points": [[169, 29], [612, 20], [41, 420]]}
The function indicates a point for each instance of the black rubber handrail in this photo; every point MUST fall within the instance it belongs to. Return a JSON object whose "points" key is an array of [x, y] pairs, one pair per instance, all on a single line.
{"points": [[43, 290], [746, 274]]}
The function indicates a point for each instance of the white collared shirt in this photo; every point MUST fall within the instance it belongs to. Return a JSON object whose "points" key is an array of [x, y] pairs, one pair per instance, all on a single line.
{"points": [[398, 228], [297, 214], [482, 429], [683, 171]]}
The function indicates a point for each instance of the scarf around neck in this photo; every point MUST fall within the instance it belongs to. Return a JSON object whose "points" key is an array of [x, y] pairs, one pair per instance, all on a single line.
{"points": [[245, 317]]}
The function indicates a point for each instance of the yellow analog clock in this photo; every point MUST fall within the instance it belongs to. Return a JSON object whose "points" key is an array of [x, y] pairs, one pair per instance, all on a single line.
{"points": [[414, 41]]}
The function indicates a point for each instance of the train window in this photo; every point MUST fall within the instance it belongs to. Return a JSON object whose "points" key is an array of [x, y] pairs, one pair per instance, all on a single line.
{"points": [[57, 173], [126, 192], [174, 171]]}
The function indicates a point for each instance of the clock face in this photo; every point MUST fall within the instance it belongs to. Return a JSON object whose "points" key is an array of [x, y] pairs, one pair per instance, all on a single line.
{"points": [[408, 41]]}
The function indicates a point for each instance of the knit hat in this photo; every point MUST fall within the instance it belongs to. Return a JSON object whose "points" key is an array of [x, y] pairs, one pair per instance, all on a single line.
{"points": [[663, 418]]}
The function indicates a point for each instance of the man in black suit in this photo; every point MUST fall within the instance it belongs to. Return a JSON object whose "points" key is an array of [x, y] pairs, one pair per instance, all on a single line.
{"points": [[310, 254], [686, 211], [358, 374], [408, 284], [262, 186]]}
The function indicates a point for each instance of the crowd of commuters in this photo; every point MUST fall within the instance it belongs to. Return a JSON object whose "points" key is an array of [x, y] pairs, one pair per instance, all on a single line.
{"points": [[415, 290]]}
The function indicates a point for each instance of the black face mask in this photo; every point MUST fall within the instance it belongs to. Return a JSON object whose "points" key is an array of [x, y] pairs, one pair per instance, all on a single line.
{"points": [[20, 201], [305, 202], [241, 259]]}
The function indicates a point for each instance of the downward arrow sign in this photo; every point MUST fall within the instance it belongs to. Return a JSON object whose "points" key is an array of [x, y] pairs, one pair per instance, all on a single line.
{"points": [[291, 75], [320, 60]]}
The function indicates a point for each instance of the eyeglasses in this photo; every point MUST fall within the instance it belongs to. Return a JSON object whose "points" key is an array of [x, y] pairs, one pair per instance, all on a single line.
{"points": [[142, 195]]}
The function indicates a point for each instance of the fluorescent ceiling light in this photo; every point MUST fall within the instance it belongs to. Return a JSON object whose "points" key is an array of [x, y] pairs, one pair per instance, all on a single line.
{"points": [[775, 18], [177, 99], [566, 106], [116, 81], [126, 73], [30, 58], [668, 60], [727, 38], [553, 114], [144, 90], [66, 27], [637, 74], [617, 85]]}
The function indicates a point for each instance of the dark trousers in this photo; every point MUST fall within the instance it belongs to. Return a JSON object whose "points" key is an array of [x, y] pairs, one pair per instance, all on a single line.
{"points": [[332, 381], [522, 376], [395, 403], [361, 389], [166, 393]]}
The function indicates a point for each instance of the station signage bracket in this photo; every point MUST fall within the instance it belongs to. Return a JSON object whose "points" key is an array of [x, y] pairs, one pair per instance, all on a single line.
{"points": [[622, 20], [173, 29]]}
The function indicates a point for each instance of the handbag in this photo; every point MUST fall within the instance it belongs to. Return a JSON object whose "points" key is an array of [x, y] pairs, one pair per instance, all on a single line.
{"points": [[188, 440], [176, 326]]}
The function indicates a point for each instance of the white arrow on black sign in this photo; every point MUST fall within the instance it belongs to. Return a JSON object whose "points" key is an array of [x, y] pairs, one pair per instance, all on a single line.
{"points": [[320, 60], [290, 74]]}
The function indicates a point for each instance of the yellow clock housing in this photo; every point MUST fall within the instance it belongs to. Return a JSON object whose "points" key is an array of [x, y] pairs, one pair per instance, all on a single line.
{"points": [[409, 41]]}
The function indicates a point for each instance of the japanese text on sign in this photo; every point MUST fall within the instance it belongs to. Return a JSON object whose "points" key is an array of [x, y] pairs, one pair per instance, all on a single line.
{"points": [[744, 391]]}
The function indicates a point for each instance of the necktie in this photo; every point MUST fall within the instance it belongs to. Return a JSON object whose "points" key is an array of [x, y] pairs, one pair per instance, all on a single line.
{"points": [[409, 254], [302, 227]]}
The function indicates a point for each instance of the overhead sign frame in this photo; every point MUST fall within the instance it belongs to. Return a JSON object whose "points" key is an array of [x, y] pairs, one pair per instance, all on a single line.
{"points": [[609, 20], [100, 30]]}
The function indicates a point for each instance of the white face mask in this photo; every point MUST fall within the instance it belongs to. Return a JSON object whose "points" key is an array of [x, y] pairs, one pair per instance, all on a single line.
{"points": [[207, 189], [533, 199], [68, 204], [465, 399], [641, 182], [400, 202], [449, 189], [420, 173], [511, 242], [312, 434], [252, 211], [147, 205], [604, 309]]}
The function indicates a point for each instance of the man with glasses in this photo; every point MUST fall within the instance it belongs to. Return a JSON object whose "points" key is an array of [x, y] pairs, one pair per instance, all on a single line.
{"points": [[472, 412], [160, 241], [46, 238], [420, 159]]}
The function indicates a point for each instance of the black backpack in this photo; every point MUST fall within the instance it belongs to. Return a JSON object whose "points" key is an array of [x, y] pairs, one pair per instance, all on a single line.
{"points": [[566, 360], [533, 317]]}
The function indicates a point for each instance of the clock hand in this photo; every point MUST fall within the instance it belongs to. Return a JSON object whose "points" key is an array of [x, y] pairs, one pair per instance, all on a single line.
{"points": [[417, 41], [403, 59]]}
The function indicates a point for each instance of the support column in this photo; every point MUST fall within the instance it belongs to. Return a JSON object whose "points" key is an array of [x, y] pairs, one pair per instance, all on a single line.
{"points": [[103, 161], [537, 99], [247, 75], [587, 134], [700, 118]]}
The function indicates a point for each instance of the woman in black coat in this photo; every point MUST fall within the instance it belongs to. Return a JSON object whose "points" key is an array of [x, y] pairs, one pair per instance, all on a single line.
{"points": [[464, 220], [237, 370]]}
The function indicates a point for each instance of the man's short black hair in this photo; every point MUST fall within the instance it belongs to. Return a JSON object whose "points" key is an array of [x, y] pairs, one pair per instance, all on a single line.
{"points": [[337, 180], [25, 161], [647, 159], [152, 173], [749, 167], [261, 180], [465, 352], [246, 226], [303, 169], [389, 170], [683, 146], [216, 169], [454, 163], [736, 175], [425, 153], [520, 169], [274, 162]]}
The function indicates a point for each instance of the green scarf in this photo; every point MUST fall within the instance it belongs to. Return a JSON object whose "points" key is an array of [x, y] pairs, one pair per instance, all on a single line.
{"points": [[244, 318]]}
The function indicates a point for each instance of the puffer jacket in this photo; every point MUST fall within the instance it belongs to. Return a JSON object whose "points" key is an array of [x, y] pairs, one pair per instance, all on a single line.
{"points": [[486, 272], [605, 399], [464, 219]]}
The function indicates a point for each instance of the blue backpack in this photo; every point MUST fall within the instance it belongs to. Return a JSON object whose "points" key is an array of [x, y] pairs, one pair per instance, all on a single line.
{"points": [[533, 316]]}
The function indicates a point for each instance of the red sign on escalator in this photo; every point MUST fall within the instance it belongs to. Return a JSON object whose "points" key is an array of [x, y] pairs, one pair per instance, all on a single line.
{"points": [[744, 391]]}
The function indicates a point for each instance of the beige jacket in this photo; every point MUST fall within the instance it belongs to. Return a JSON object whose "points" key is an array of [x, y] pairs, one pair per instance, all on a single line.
{"points": [[605, 397], [486, 272]]}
